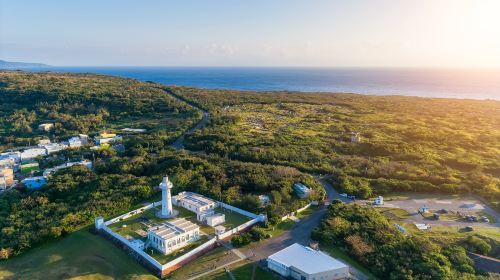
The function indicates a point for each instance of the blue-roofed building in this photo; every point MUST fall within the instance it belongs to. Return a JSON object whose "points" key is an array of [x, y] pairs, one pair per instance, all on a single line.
{"points": [[301, 190], [34, 182]]}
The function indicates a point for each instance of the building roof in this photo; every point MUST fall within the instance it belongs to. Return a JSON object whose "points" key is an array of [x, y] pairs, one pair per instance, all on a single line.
{"points": [[173, 228], [306, 259], [301, 188], [194, 199]]}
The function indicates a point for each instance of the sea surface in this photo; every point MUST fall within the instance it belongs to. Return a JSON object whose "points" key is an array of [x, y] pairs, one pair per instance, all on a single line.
{"points": [[470, 84]]}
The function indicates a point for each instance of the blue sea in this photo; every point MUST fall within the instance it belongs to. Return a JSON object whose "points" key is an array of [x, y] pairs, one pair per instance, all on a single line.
{"points": [[445, 83]]}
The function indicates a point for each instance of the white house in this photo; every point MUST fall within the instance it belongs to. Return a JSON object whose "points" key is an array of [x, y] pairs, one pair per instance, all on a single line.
{"points": [[54, 147], [202, 206], [215, 219], [9, 156], [219, 230], [173, 235], [107, 138], [32, 153], [301, 190], [43, 141], [303, 263]]}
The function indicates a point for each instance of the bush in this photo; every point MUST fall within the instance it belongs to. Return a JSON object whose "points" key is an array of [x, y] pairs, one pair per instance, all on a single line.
{"points": [[477, 245]]}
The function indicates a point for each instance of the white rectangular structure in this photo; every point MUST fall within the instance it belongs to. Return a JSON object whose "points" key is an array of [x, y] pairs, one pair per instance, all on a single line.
{"points": [[303, 263], [202, 206], [215, 219], [173, 235], [54, 147], [33, 153]]}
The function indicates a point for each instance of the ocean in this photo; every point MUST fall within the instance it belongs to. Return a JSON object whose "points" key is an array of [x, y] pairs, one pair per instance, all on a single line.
{"points": [[468, 84]]}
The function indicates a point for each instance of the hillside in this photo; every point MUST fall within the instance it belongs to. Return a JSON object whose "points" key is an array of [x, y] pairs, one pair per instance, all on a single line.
{"points": [[85, 103], [407, 143], [11, 64]]}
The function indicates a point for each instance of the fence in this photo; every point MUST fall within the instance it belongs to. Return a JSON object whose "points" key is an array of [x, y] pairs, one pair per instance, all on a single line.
{"points": [[299, 210], [160, 269], [238, 210], [141, 253]]}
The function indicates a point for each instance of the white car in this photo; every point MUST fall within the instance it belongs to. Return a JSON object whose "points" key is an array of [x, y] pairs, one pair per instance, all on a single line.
{"points": [[343, 195]]}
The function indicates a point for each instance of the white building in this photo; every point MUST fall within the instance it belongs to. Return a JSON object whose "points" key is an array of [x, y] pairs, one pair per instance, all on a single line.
{"points": [[301, 190], [78, 141], [303, 263], [9, 156], [219, 230], [54, 147], [48, 171], [32, 153], [215, 219], [107, 138], [379, 200], [202, 206], [173, 235]]}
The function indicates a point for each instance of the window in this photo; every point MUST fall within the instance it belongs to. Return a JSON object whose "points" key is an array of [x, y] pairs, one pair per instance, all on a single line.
{"points": [[183, 238]]}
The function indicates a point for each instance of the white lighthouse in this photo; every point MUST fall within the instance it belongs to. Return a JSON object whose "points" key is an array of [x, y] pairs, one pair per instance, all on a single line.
{"points": [[167, 210]]}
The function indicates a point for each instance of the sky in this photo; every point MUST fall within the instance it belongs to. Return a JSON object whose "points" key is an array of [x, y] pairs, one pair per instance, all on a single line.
{"points": [[323, 33]]}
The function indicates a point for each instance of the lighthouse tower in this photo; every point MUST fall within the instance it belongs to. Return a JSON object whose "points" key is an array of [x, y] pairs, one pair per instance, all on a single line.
{"points": [[167, 210]]}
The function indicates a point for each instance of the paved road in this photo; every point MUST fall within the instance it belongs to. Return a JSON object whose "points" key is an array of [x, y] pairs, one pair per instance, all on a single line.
{"points": [[179, 142]]}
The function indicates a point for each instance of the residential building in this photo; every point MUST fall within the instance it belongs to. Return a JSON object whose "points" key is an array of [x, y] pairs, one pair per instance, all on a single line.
{"points": [[303, 263], [379, 200], [34, 182], [8, 156], [54, 147], [107, 138], [173, 235], [215, 219], [78, 141], [6, 177], [46, 126], [202, 206], [7, 161], [219, 230], [301, 190], [32, 153]]}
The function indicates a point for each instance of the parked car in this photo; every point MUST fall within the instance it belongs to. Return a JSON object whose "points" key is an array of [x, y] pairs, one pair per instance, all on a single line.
{"points": [[351, 197], [343, 195]]}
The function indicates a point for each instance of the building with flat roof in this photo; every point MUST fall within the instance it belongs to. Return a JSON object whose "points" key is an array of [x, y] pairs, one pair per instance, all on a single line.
{"points": [[53, 147], [303, 263], [104, 137], [202, 206], [301, 190], [215, 219], [32, 153], [173, 235], [6, 177]]}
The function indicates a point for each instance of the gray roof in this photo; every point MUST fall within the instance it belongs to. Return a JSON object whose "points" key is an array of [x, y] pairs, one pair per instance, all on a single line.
{"points": [[173, 228]]}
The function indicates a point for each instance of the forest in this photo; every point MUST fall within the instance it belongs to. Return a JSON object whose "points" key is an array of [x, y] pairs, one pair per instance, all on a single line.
{"points": [[368, 236], [84, 103], [407, 144]]}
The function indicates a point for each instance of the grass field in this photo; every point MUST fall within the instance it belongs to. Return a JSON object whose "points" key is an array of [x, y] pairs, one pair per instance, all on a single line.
{"points": [[81, 255], [205, 263], [243, 272], [394, 214]]}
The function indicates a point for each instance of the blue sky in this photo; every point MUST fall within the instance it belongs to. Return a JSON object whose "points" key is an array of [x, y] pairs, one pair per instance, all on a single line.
{"points": [[390, 33]]}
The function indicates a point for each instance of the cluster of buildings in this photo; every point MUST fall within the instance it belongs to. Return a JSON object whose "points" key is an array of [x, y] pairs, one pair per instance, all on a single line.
{"points": [[203, 207], [23, 160]]}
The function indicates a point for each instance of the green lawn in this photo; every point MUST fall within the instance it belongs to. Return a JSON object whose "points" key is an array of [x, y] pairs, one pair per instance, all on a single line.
{"points": [[233, 219], [394, 214], [202, 264], [81, 255], [242, 272], [280, 228]]}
